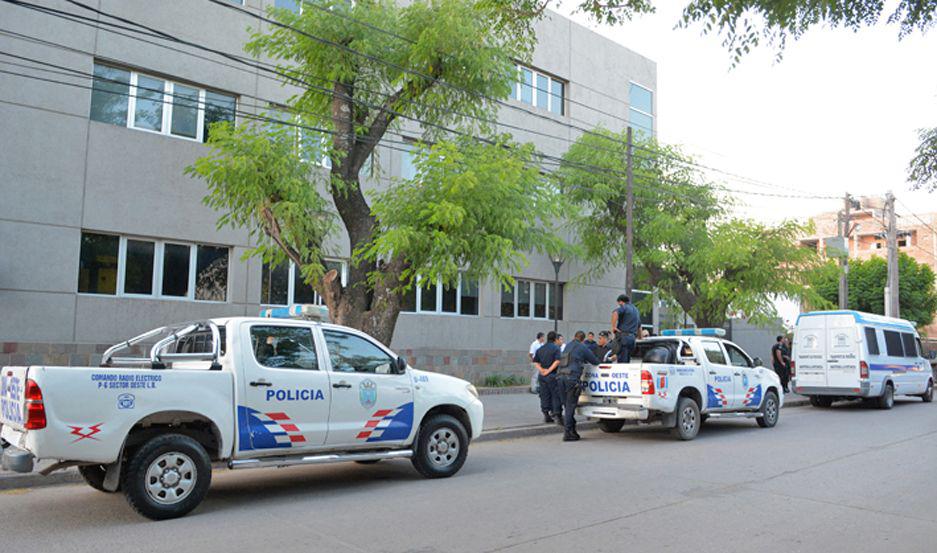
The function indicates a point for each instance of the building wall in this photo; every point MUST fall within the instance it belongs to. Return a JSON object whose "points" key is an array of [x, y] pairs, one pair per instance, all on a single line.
{"points": [[61, 173]]}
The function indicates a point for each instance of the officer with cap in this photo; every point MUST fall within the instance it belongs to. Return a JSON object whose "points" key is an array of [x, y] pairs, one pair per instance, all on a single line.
{"points": [[569, 382]]}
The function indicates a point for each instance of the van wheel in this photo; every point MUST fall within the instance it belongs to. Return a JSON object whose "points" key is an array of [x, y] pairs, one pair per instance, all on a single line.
{"points": [[688, 419], [93, 475], [928, 395], [610, 425], [887, 399], [167, 477], [441, 447], [821, 401], [769, 411]]}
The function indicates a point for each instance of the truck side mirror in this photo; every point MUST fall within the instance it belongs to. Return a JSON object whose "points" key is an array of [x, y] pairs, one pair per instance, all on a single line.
{"points": [[758, 362], [400, 366]]}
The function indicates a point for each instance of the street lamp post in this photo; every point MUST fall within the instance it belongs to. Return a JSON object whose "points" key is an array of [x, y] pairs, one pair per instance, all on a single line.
{"points": [[557, 264]]}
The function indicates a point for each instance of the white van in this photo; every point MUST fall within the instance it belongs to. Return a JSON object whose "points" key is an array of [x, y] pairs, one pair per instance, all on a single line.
{"points": [[850, 354]]}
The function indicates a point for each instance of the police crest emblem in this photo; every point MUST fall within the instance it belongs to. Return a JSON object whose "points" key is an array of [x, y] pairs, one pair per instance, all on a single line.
{"points": [[367, 393]]}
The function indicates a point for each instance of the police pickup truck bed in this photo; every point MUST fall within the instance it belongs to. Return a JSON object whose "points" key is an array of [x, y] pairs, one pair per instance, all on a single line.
{"points": [[678, 381], [250, 392]]}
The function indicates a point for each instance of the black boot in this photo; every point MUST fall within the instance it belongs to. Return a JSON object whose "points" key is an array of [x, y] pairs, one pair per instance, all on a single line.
{"points": [[547, 418], [559, 419], [570, 437]]}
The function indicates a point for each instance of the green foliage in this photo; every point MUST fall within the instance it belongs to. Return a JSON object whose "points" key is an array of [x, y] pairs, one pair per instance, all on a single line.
{"points": [[917, 296], [687, 244], [922, 171], [472, 207], [503, 380]]}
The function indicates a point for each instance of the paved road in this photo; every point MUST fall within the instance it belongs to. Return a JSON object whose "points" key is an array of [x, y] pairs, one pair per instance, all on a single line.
{"points": [[842, 479]]}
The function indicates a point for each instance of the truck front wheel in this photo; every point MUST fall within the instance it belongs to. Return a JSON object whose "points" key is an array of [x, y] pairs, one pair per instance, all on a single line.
{"points": [[93, 475], [769, 411], [688, 419], [441, 447], [610, 425], [167, 477]]}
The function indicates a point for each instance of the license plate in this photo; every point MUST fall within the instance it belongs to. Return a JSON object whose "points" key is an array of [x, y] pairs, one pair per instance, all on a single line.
{"points": [[609, 400]]}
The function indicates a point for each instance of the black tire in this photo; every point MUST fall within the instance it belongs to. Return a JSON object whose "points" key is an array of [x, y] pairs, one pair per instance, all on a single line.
{"points": [[928, 395], [770, 411], [93, 475], [368, 462], [821, 401], [429, 459], [610, 426], [173, 456], [688, 419], [887, 399]]}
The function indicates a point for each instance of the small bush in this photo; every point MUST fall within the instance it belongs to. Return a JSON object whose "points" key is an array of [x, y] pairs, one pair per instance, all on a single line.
{"points": [[501, 380]]}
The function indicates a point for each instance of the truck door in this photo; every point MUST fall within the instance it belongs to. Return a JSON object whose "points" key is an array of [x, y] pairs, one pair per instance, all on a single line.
{"points": [[284, 388], [748, 388], [720, 382], [810, 352], [842, 352], [371, 405]]}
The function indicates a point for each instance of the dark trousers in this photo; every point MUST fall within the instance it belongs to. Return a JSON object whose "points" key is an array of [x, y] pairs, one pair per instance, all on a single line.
{"points": [[784, 373], [627, 346], [569, 390], [550, 401]]}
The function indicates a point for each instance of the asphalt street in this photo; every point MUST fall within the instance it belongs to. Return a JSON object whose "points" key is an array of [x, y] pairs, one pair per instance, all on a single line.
{"points": [[841, 479]]}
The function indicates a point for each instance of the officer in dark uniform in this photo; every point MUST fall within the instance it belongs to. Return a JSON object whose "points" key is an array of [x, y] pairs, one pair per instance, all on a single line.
{"points": [[625, 323], [547, 359], [569, 382]]}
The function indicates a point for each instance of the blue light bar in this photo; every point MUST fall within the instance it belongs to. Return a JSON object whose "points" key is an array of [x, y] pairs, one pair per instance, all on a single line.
{"points": [[298, 311], [694, 332]]}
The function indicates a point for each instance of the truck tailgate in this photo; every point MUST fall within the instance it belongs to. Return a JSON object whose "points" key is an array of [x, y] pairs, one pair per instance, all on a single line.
{"points": [[12, 400], [620, 380]]}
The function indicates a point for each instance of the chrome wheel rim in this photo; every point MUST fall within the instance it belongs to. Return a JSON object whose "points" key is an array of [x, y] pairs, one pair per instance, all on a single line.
{"points": [[771, 410], [170, 478], [443, 447], [688, 420]]}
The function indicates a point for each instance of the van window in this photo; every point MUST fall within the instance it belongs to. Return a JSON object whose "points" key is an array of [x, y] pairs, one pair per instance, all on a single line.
{"points": [[893, 343], [871, 338], [910, 348]]}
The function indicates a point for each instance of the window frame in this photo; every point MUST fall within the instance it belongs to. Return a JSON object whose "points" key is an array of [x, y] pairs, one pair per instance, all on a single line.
{"points": [[328, 354], [312, 336], [158, 260], [519, 83], [871, 337], [888, 347], [748, 360], [550, 285], [907, 339], [721, 349], [291, 283], [639, 110], [418, 301]]}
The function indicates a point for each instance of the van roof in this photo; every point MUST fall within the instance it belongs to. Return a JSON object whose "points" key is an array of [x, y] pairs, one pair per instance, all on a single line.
{"points": [[864, 318]]}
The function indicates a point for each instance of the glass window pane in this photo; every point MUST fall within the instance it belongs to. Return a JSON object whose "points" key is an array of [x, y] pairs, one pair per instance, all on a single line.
{"points": [[338, 266], [523, 298], [540, 300], [274, 284], [149, 111], [407, 166], [292, 5], [714, 353], [138, 272], [469, 292], [428, 298], [910, 348], [110, 94], [871, 340], [302, 292], [641, 98], [350, 353], [557, 99], [176, 270], [218, 107], [284, 347], [97, 264], [184, 111], [211, 273], [640, 123], [893, 343], [449, 298], [507, 302], [408, 302], [543, 91], [527, 81]]}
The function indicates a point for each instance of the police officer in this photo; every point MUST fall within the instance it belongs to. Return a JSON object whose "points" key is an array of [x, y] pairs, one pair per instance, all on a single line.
{"points": [[603, 349], [625, 323], [569, 382], [547, 359]]}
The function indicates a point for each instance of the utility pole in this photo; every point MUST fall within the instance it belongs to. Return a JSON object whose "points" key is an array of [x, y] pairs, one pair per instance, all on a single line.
{"points": [[891, 239], [629, 216], [844, 232]]}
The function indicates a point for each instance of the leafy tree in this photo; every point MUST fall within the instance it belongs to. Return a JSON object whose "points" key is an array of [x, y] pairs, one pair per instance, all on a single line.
{"points": [[917, 296], [922, 171], [461, 213], [687, 244]]}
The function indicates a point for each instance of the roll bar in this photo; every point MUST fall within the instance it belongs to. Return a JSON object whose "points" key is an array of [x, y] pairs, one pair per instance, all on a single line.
{"points": [[158, 359]]}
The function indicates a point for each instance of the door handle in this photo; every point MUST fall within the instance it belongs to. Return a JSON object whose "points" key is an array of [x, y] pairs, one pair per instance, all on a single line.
{"points": [[261, 383], [737, 374], [403, 389], [341, 384], [712, 372]]}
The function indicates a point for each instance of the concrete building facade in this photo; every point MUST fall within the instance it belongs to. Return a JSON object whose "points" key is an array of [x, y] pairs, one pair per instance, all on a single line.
{"points": [[102, 236]]}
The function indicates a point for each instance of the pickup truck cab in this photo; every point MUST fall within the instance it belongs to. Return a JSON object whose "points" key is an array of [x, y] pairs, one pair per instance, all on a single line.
{"points": [[679, 380], [246, 392]]}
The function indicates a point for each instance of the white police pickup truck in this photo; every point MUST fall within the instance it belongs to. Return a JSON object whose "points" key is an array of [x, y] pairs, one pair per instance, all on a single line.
{"points": [[679, 380], [249, 392]]}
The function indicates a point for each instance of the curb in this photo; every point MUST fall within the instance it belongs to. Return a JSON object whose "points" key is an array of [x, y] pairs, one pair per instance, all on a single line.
{"points": [[528, 431]]}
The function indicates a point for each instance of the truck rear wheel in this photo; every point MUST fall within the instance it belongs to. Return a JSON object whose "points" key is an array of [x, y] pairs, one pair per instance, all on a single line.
{"points": [[928, 395], [610, 425], [688, 419], [887, 399], [167, 477], [441, 447], [93, 475], [769, 411]]}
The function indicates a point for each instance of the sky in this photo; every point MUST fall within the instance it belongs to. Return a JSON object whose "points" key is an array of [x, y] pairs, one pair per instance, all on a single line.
{"points": [[838, 113]]}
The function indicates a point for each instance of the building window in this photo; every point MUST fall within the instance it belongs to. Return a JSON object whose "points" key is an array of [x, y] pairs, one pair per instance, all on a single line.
{"points": [[641, 109], [529, 299], [540, 90], [135, 100], [136, 267], [292, 5], [284, 284], [460, 299]]}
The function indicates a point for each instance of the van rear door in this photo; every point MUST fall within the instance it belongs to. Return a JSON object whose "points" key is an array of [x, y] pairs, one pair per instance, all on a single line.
{"points": [[810, 351], [842, 351]]}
